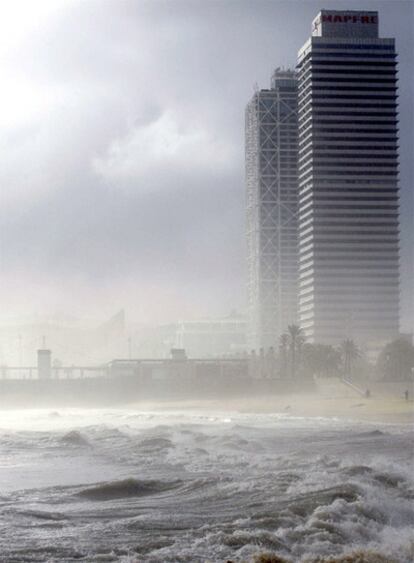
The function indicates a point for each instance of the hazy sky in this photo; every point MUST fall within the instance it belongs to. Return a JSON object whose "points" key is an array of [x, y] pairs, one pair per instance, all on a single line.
{"points": [[122, 148]]}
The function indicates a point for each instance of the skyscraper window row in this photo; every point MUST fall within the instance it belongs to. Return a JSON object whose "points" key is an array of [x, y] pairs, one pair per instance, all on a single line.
{"points": [[324, 275], [373, 301], [372, 221], [327, 175], [321, 61], [352, 75], [357, 57], [322, 175], [330, 111], [340, 201], [330, 280], [329, 249], [322, 107], [387, 75], [346, 232], [362, 141], [387, 310], [359, 97], [324, 130], [383, 191], [351, 46], [340, 89], [366, 146], [346, 153], [353, 216], [321, 164], [345, 286], [362, 104], [358, 84], [344, 235], [335, 238], [341, 64], [330, 315], [369, 183]]}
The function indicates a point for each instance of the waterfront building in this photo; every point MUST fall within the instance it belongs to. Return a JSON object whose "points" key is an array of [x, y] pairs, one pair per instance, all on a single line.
{"points": [[348, 185], [271, 208], [212, 338]]}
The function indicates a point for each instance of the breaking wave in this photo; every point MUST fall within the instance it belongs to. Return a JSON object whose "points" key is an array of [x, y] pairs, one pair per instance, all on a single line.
{"points": [[159, 488], [360, 556], [127, 488]]}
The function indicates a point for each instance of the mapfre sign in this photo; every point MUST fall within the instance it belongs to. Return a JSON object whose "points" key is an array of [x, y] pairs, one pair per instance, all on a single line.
{"points": [[346, 18], [345, 23]]}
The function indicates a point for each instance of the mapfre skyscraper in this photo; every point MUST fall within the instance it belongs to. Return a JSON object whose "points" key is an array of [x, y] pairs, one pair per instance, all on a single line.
{"points": [[348, 191]]}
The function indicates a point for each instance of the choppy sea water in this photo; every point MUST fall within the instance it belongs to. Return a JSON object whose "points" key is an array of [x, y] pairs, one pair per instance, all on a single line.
{"points": [[129, 486]]}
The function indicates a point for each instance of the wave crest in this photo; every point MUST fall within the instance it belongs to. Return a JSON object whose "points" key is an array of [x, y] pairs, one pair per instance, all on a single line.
{"points": [[127, 488]]}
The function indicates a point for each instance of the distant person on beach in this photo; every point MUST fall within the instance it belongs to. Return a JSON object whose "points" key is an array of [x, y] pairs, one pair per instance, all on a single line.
{"points": [[367, 394], [406, 394]]}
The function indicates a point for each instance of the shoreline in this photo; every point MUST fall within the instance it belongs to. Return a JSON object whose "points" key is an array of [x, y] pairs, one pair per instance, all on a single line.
{"points": [[312, 405], [328, 400]]}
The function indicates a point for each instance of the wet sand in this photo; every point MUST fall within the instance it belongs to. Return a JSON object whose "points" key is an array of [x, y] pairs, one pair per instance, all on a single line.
{"points": [[375, 409], [330, 400]]}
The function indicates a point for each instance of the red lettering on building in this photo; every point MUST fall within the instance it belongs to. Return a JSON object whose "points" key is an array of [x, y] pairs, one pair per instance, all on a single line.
{"points": [[336, 18]]}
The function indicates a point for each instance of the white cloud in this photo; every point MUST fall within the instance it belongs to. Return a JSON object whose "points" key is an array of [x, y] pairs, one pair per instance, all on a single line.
{"points": [[23, 17], [166, 143]]}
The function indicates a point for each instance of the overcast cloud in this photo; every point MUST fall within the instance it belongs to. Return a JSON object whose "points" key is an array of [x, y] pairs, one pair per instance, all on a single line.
{"points": [[122, 157]]}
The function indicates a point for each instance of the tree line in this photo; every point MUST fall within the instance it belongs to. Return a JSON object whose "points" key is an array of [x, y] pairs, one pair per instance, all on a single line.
{"points": [[298, 358]]}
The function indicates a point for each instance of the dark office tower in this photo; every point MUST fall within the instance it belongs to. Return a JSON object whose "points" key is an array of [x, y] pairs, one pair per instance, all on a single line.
{"points": [[348, 192], [271, 186]]}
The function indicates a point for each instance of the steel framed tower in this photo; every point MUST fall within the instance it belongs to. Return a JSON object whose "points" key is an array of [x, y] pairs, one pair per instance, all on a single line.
{"points": [[271, 208], [348, 185]]}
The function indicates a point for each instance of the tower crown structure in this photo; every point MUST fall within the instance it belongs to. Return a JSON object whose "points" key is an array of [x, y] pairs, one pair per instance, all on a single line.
{"points": [[349, 23]]}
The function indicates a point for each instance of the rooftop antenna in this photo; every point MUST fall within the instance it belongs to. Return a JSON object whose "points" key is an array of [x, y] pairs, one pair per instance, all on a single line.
{"points": [[255, 87]]}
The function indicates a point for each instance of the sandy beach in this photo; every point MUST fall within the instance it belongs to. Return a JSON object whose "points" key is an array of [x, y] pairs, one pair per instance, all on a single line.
{"points": [[376, 409], [330, 399]]}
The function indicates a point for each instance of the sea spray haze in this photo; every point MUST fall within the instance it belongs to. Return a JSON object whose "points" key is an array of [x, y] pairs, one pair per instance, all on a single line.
{"points": [[125, 485], [121, 175]]}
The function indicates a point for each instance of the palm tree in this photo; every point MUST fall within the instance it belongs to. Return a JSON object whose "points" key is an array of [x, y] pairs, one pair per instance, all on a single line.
{"points": [[396, 360], [321, 359], [296, 341], [283, 348], [350, 352]]}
